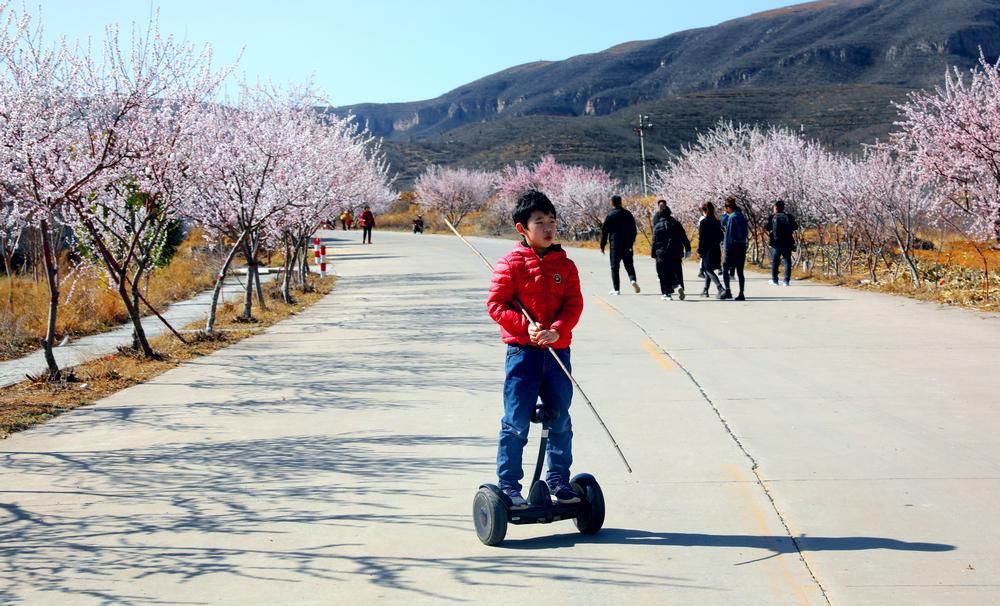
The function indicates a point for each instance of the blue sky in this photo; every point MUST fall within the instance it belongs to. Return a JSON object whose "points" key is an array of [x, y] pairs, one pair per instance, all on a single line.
{"points": [[394, 50]]}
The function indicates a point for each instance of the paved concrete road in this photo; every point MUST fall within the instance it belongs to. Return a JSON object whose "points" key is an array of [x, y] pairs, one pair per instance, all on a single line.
{"points": [[814, 445]]}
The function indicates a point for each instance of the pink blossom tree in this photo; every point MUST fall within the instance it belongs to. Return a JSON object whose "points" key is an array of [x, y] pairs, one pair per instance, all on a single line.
{"points": [[124, 217], [716, 165], [953, 136], [336, 165], [580, 194], [240, 151], [269, 168], [39, 126], [583, 196], [454, 192], [518, 178], [899, 198], [73, 123]]}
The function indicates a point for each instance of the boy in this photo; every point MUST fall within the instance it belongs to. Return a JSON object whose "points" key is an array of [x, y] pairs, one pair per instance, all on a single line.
{"points": [[538, 275]]}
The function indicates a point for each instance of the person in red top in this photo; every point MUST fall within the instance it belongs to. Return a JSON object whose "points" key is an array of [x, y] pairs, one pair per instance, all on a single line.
{"points": [[538, 275], [367, 221]]}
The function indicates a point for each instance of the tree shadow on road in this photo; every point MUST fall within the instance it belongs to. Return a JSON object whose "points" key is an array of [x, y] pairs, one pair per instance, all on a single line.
{"points": [[104, 512], [224, 504]]}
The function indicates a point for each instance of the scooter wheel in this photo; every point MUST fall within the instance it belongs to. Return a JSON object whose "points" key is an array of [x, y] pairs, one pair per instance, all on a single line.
{"points": [[490, 517], [590, 518]]}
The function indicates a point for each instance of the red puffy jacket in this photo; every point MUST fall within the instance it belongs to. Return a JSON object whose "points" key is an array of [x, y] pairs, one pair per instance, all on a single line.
{"points": [[548, 287], [367, 219]]}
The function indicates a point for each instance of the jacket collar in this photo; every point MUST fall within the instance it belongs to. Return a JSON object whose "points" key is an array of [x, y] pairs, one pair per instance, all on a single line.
{"points": [[524, 250]]}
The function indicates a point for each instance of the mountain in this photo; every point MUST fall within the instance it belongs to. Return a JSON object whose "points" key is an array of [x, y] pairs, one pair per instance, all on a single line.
{"points": [[856, 56]]}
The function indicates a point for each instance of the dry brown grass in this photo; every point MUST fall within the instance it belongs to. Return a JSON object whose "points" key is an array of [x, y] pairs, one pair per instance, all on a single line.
{"points": [[952, 274], [88, 306], [31, 402]]}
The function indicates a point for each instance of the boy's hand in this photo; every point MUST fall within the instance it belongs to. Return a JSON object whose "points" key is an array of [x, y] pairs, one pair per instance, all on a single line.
{"points": [[542, 337]]}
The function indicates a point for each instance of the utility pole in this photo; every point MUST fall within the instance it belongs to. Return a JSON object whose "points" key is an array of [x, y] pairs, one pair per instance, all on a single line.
{"points": [[644, 125]]}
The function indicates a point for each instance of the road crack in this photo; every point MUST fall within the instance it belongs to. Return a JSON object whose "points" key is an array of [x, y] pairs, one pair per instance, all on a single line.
{"points": [[754, 467]]}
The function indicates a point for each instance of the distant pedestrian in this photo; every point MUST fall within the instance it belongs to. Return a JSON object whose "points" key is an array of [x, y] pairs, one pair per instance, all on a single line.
{"points": [[724, 221], [418, 224], [349, 221], [710, 237], [343, 220], [781, 227], [367, 221], [670, 246], [701, 270], [619, 230], [735, 246]]}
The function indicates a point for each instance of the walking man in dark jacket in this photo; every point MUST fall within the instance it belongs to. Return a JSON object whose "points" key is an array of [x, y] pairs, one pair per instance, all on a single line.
{"points": [[781, 228], [619, 229], [670, 246], [735, 246]]}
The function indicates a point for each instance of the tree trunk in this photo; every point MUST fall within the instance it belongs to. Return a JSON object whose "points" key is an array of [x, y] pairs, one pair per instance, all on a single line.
{"points": [[286, 276], [51, 275], [904, 248], [986, 270], [210, 322], [304, 265], [258, 288], [7, 260], [256, 279], [248, 294], [135, 303], [133, 312], [852, 247], [250, 254]]}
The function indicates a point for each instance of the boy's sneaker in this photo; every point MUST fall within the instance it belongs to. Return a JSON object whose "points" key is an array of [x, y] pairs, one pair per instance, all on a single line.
{"points": [[740, 297], [680, 293], [516, 500], [564, 494], [787, 283], [635, 287], [704, 293], [773, 282], [667, 298], [614, 293], [725, 295]]}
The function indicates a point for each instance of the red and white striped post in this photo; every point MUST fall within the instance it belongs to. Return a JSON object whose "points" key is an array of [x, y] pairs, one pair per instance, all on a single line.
{"points": [[322, 260], [316, 251]]}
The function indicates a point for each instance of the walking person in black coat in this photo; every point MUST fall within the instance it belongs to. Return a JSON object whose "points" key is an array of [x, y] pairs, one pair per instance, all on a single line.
{"points": [[781, 227], [709, 241], [619, 229], [670, 246]]}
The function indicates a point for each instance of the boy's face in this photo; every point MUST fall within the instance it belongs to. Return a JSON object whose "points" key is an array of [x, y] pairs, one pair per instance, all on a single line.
{"points": [[540, 232]]}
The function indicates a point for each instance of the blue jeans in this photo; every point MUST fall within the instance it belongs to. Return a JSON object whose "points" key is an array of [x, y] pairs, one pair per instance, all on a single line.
{"points": [[778, 254], [533, 374]]}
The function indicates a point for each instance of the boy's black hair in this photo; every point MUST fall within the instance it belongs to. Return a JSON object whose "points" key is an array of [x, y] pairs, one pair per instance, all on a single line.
{"points": [[780, 205], [529, 202], [616, 201]]}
